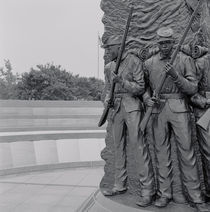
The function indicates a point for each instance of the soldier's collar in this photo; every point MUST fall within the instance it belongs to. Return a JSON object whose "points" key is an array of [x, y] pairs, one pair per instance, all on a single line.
{"points": [[163, 57]]}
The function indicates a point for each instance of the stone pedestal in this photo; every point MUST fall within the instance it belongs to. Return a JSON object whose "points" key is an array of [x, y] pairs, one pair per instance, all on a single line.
{"points": [[125, 203]]}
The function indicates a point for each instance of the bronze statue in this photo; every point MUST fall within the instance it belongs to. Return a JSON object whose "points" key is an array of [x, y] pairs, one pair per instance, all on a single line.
{"points": [[201, 100], [126, 116], [170, 142], [171, 111]]}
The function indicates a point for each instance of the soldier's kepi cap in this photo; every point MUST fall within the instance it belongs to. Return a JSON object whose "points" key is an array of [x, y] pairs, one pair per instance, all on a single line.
{"points": [[112, 40], [164, 34]]}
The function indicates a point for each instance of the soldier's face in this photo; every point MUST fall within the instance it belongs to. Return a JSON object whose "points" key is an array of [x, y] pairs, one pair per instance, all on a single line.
{"points": [[113, 51], [166, 46]]}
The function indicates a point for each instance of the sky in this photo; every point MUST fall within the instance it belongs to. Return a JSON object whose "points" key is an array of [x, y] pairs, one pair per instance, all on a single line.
{"points": [[63, 32]]}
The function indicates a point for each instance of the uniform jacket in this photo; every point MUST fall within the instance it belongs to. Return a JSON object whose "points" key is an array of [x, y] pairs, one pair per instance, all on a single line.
{"points": [[133, 85], [203, 75], [185, 84]]}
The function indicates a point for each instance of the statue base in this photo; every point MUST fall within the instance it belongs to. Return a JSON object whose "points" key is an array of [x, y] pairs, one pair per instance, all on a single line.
{"points": [[126, 202]]}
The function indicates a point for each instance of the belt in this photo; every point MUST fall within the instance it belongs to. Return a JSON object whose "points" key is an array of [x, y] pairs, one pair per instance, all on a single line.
{"points": [[120, 94], [171, 96]]}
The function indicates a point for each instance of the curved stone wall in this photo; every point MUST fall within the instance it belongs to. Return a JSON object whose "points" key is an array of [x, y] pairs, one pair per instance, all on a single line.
{"points": [[49, 134]]}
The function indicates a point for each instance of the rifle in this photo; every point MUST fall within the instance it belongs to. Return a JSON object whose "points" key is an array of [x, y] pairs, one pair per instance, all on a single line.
{"points": [[157, 91], [119, 57], [204, 120]]}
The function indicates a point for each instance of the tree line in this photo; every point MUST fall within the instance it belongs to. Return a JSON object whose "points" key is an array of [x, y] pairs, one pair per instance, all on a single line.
{"points": [[47, 82]]}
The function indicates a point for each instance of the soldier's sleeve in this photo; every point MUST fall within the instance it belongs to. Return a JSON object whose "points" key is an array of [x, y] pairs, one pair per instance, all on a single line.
{"points": [[136, 85], [202, 66], [186, 81]]}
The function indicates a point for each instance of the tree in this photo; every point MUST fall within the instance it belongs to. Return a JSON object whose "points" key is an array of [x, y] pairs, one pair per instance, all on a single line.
{"points": [[88, 88], [47, 82], [50, 82], [8, 82], [96, 88]]}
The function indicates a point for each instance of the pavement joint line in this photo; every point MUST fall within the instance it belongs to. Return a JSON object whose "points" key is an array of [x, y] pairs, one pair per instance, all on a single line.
{"points": [[47, 184], [25, 200], [85, 206], [13, 188], [9, 190], [2, 134], [82, 179]]}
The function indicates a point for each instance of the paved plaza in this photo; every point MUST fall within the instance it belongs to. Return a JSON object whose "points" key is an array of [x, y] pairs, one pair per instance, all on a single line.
{"points": [[49, 191]]}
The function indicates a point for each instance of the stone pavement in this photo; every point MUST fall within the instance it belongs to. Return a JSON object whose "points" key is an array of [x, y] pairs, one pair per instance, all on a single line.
{"points": [[49, 191]]}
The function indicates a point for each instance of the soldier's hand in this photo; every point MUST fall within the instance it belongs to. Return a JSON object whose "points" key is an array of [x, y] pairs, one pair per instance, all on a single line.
{"points": [[116, 78], [170, 70], [107, 101], [151, 101]]}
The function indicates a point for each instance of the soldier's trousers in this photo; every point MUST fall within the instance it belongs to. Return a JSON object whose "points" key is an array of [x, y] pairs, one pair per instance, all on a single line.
{"points": [[180, 123], [204, 144], [128, 123]]}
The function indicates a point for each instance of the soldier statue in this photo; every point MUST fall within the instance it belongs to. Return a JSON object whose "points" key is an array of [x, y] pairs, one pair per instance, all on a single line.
{"points": [[171, 112], [125, 117], [201, 100]]}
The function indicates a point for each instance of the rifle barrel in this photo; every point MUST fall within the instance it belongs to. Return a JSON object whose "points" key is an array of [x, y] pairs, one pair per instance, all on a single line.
{"points": [[119, 57]]}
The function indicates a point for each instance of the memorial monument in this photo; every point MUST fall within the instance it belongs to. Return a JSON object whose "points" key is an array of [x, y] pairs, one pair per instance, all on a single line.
{"points": [[164, 166]]}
